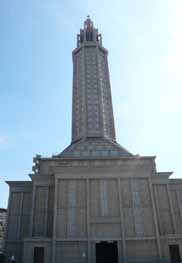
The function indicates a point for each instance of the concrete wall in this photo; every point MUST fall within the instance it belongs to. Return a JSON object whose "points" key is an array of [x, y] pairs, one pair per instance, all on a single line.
{"points": [[43, 204], [28, 249], [75, 252], [71, 209], [3, 213], [85, 202], [18, 218]]}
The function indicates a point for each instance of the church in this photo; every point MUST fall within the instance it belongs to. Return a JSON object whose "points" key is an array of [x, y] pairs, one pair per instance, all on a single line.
{"points": [[95, 202]]}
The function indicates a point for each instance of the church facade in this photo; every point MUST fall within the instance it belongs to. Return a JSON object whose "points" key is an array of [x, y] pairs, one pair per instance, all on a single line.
{"points": [[95, 202]]}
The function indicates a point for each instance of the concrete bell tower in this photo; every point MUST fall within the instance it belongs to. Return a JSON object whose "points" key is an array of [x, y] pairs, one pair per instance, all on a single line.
{"points": [[92, 102], [93, 131]]}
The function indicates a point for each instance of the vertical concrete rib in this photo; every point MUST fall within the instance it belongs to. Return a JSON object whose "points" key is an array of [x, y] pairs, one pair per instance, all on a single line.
{"points": [[54, 222], [46, 211], [32, 210], [154, 209], [171, 209], [20, 216], [122, 220], [88, 220]]}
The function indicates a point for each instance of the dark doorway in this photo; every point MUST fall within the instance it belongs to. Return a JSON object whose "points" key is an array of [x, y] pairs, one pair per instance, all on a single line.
{"points": [[38, 255], [106, 252], [174, 253]]}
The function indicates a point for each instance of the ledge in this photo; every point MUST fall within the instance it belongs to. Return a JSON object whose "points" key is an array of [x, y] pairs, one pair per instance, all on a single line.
{"points": [[19, 183]]}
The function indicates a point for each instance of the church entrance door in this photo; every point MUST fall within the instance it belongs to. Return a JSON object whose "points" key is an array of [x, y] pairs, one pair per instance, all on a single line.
{"points": [[106, 252], [38, 255], [174, 253]]}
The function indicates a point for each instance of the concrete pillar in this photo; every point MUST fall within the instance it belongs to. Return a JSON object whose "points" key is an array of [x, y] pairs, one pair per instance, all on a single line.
{"points": [[154, 209]]}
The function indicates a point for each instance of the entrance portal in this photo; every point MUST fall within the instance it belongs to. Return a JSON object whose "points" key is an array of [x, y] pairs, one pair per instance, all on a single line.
{"points": [[174, 253], [106, 252], [38, 255]]}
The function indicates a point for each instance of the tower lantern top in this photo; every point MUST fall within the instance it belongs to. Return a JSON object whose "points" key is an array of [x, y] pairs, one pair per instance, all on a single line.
{"points": [[88, 24], [89, 34]]}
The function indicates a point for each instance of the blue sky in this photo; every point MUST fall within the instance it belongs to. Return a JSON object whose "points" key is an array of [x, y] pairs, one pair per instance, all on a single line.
{"points": [[144, 39]]}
